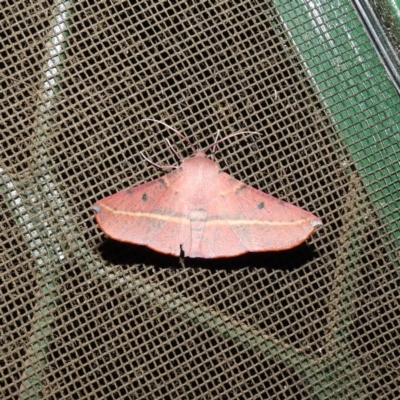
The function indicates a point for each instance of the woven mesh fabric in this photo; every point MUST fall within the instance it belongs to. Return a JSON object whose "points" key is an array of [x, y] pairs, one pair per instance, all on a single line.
{"points": [[83, 316]]}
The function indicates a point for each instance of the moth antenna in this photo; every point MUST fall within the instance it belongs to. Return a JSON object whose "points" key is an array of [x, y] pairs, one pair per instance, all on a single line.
{"points": [[157, 165], [182, 136], [173, 149], [214, 145]]}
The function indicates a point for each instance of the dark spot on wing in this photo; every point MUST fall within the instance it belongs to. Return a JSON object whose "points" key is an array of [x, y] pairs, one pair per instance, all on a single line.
{"points": [[260, 205], [129, 191], [145, 197], [282, 203]]}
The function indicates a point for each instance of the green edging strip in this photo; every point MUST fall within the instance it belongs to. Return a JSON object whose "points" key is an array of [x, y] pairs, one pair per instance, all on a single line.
{"points": [[379, 21], [362, 101], [365, 107], [389, 14]]}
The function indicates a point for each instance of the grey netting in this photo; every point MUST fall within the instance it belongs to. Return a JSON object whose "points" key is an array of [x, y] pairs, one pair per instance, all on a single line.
{"points": [[86, 317]]}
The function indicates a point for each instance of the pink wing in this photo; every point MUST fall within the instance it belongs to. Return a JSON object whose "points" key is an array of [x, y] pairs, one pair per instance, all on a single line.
{"points": [[242, 219]]}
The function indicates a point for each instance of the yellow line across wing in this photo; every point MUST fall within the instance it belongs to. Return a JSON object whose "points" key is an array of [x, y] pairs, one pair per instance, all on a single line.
{"points": [[184, 220]]}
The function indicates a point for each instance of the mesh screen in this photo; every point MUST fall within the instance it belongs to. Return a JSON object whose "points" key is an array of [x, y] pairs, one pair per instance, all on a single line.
{"points": [[86, 317]]}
